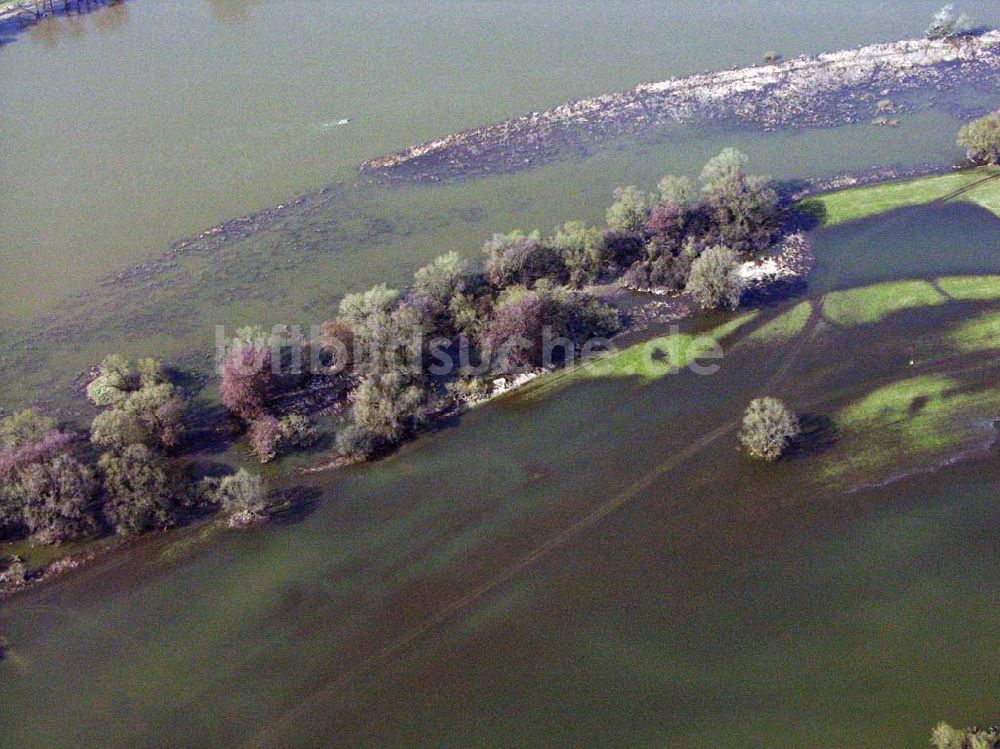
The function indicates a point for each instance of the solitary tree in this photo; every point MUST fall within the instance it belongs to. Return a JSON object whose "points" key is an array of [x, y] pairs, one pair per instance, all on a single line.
{"points": [[768, 427]]}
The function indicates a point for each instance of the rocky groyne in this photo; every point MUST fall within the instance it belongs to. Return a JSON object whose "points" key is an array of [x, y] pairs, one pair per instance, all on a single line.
{"points": [[857, 85]]}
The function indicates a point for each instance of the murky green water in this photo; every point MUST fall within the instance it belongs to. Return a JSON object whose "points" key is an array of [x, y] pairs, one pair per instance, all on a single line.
{"points": [[128, 129], [598, 567]]}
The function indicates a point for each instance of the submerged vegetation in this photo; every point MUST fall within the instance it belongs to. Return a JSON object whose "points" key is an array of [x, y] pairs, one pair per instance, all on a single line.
{"points": [[784, 327], [910, 420]]}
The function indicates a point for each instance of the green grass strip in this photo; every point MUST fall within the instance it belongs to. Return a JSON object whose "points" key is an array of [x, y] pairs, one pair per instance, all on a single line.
{"points": [[978, 334], [970, 288], [870, 304], [785, 326], [835, 208]]}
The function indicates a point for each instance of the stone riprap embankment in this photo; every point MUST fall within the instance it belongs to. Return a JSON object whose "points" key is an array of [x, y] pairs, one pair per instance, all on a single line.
{"points": [[825, 90]]}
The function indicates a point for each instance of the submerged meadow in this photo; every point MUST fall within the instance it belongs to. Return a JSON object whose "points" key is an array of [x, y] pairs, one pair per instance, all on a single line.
{"points": [[591, 558]]}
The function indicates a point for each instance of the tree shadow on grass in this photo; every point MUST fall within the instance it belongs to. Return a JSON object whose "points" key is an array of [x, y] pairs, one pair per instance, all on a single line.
{"points": [[818, 435], [774, 293], [806, 215]]}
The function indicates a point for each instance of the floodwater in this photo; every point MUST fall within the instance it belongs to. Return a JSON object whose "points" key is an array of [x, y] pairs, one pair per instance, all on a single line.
{"points": [[146, 122], [595, 567]]}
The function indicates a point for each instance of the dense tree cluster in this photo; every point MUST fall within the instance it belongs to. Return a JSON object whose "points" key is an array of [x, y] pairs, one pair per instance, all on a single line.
{"points": [[524, 309], [250, 379], [732, 209], [55, 485]]}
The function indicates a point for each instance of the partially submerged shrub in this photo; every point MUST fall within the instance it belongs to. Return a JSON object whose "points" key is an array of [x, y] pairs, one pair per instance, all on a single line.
{"points": [[715, 280], [517, 258], [387, 331], [945, 25], [24, 428], [57, 499], [152, 415], [247, 380], [630, 211], [243, 498], [981, 139], [583, 249], [356, 310], [270, 436], [44, 490], [386, 407], [945, 737], [768, 427], [725, 165], [15, 576], [442, 279], [297, 430], [114, 381], [265, 437], [679, 190], [337, 341], [140, 495]]}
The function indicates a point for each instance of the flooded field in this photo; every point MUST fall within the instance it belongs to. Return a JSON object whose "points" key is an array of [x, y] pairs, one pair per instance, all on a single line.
{"points": [[588, 564], [596, 562]]}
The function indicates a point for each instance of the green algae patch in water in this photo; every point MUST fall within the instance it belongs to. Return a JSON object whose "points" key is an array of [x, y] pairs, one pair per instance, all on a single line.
{"points": [[978, 334], [901, 425], [871, 304], [785, 326], [861, 202], [970, 288]]}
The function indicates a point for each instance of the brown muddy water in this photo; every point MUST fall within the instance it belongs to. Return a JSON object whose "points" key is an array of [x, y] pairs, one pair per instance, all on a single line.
{"points": [[595, 566]]}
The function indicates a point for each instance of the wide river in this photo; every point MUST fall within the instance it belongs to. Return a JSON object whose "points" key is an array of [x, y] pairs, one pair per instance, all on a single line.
{"points": [[476, 588]]}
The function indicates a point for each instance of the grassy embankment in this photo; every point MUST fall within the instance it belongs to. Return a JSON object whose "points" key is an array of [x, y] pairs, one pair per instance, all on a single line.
{"points": [[861, 202]]}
